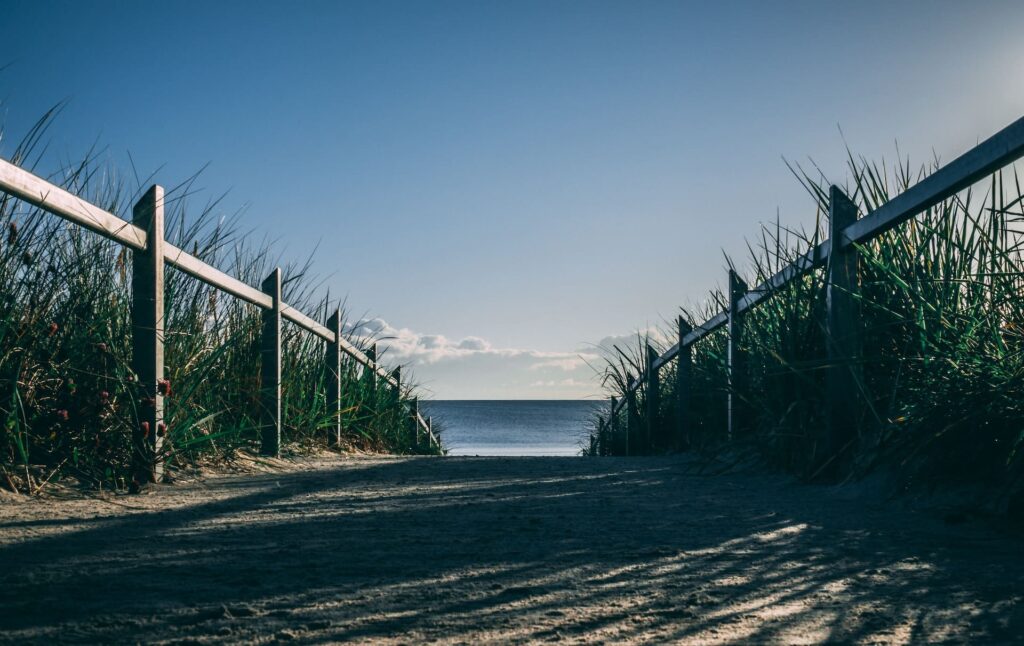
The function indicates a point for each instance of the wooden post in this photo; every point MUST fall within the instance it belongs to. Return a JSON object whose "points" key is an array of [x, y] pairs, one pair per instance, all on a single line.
{"points": [[148, 337], [333, 359], [842, 334], [270, 367], [737, 365], [414, 418], [396, 392], [613, 418], [430, 431], [683, 368], [371, 354], [653, 403], [632, 417]]}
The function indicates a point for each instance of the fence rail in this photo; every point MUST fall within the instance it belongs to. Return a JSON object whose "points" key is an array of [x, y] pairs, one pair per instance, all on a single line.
{"points": [[422, 426], [144, 236], [837, 254]]}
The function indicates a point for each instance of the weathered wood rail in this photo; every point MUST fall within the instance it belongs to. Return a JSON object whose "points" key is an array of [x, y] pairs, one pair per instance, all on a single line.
{"points": [[837, 255], [150, 252]]}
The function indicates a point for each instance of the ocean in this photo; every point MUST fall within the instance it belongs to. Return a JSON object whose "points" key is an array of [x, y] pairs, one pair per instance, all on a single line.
{"points": [[512, 427]]}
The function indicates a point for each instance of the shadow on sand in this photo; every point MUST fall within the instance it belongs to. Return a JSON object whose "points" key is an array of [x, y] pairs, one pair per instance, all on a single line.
{"points": [[471, 549]]}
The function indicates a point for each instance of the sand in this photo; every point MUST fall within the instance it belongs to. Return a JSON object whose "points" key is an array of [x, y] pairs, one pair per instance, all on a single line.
{"points": [[471, 550]]}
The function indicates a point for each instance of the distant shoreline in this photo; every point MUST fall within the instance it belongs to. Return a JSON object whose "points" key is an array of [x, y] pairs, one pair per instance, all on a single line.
{"points": [[532, 401], [512, 426]]}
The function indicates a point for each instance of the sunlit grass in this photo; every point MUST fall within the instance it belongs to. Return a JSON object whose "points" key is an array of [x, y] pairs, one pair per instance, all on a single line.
{"points": [[942, 368], [68, 402]]}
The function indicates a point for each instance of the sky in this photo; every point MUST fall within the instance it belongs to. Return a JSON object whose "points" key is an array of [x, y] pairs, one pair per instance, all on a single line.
{"points": [[505, 187]]}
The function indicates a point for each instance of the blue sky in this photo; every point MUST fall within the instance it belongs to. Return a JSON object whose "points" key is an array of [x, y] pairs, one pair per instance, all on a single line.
{"points": [[502, 185]]}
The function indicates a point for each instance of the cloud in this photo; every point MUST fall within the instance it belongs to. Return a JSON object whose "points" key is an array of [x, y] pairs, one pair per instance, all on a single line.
{"points": [[472, 368], [568, 364], [432, 341], [631, 340], [474, 343], [367, 327], [406, 345]]}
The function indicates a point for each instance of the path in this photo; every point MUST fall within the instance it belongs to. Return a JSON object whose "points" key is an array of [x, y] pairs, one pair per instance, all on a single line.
{"points": [[507, 549]]}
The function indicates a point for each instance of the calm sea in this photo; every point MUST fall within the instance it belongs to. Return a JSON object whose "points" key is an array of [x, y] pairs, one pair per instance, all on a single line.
{"points": [[512, 427]]}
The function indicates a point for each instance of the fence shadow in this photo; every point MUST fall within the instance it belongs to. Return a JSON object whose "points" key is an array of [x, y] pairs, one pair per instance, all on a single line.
{"points": [[492, 548]]}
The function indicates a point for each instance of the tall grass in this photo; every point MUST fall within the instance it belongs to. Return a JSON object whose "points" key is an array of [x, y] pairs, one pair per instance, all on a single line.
{"points": [[68, 401], [942, 369]]}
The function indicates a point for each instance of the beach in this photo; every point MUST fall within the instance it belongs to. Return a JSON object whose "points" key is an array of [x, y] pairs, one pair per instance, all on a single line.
{"points": [[473, 550]]}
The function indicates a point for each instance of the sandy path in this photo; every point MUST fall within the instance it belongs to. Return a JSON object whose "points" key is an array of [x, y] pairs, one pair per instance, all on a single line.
{"points": [[501, 549]]}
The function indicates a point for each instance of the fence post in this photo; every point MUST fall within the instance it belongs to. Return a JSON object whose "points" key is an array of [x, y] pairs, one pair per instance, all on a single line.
{"points": [[270, 367], [842, 332], [148, 336], [653, 398], [333, 359], [632, 417], [414, 419], [737, 365], [371, 354], [613, 419], [683, 367], [430, 431]]}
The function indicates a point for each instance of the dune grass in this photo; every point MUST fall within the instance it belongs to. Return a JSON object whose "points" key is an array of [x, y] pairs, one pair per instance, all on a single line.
{"points": [[943, 329], [67, 398]]}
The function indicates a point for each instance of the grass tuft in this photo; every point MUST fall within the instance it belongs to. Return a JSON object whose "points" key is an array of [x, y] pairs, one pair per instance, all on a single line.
{"points": [[943, 343], [68, 399]]}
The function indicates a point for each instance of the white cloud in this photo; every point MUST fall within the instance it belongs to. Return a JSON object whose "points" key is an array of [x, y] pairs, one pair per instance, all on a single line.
{"points": [[367, 327], [568, 364], [433, 341], [630, 342], [404, 344], [472, 368], [474, 343]]}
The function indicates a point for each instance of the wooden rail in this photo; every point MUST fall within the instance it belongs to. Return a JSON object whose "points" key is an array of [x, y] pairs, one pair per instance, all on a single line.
{"points": [[145, 237], [837, 255], [421, 426]]}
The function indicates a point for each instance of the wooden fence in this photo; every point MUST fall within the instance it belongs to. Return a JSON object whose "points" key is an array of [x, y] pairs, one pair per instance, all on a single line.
{"points": [[838, 256], [150, 252]]}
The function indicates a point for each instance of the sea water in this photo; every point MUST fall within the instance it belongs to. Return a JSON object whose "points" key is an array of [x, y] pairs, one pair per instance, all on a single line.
{"points": [[513, 427]]}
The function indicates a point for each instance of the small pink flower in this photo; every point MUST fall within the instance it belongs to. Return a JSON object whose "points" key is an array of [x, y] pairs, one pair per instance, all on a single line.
{"points": [[144, 426], [52, 329], [63, 414]]}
